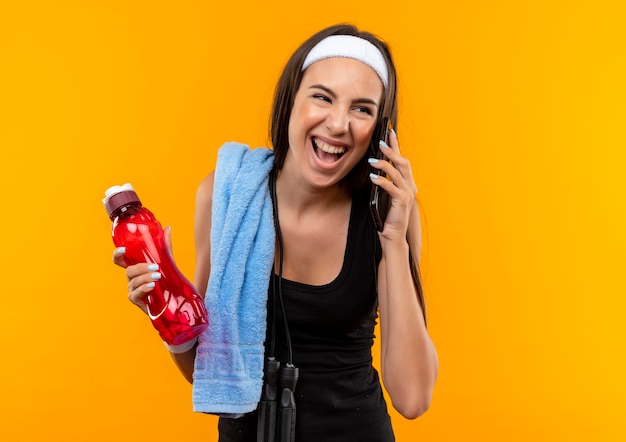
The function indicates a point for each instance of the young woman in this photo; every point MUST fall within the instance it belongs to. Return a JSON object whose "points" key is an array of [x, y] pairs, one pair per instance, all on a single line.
{"points": [[334, 271]]}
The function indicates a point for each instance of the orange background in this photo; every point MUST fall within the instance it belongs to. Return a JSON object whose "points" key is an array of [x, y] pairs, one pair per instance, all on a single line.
{"points": [[512, 113]]}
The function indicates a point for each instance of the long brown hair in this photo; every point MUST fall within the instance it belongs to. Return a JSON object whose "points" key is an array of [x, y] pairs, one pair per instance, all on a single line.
{"points": [[284, 96]]}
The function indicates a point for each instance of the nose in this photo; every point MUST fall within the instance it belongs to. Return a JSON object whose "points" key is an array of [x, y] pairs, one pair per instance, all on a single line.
{"points": [[338, 121]]}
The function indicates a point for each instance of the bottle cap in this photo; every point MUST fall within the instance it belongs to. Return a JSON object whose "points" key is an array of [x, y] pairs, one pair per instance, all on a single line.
{"points": [[118, 196]]}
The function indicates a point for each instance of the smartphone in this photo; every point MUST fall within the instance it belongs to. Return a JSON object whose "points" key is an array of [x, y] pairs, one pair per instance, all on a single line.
{"points": [[379, 199]]}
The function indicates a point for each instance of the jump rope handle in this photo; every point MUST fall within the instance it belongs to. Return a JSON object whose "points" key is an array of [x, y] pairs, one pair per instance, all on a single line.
{"points": [[287, 404], [266, 426]]}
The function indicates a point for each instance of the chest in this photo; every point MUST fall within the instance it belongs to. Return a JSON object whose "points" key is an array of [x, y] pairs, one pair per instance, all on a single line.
{"points": [[314, 247], [341, 307]]}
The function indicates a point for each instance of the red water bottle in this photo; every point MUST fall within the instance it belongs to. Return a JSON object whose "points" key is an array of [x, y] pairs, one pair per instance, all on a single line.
{"points": [[175, 307]]}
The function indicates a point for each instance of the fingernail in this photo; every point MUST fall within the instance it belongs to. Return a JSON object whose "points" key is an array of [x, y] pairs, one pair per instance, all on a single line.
{"points": [[156, 275], [150, 285], [120, 250], [372, 160], [383, 144], [153, 267], [374, 176], [393, 132]]}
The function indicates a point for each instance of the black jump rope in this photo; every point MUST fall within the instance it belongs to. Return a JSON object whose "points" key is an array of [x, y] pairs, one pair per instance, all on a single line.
{"points": [[277, 407]]}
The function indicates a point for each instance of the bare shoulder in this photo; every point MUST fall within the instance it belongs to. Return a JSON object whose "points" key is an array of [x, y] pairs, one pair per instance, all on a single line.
{"points": [[204, 193]]}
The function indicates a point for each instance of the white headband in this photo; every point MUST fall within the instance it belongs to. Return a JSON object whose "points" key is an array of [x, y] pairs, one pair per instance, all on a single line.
{"points": [[349, 46]]}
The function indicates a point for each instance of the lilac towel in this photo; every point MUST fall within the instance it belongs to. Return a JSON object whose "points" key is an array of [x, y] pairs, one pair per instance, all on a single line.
{"points": [[228, 374]]}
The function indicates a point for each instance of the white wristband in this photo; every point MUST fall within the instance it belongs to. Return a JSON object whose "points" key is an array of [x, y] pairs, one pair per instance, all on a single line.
{"points": [[182, 348]]}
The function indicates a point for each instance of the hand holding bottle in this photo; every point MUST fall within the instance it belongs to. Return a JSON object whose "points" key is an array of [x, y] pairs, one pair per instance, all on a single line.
{"points": [[156, 285], [142, 277]]}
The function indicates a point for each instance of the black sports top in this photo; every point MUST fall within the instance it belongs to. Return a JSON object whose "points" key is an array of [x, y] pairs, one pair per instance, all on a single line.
{"points": [[338, 395]]}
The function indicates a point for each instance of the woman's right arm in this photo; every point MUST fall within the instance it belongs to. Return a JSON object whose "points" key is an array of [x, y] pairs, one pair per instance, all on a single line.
{"points": [[202, 228]]}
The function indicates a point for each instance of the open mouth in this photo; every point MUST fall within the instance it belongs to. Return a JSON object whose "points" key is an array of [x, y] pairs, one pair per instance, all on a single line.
{"points": [[326, 152]]}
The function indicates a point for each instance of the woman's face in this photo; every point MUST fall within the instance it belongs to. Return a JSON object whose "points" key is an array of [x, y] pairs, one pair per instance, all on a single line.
{"points": [[332, 120]]}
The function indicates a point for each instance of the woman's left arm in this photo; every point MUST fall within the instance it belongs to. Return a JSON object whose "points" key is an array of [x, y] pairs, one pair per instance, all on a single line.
{"points": [[409, 362]]}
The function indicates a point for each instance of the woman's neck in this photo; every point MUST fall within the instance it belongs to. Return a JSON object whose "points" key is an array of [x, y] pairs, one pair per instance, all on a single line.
{"points": [[299, 196]]}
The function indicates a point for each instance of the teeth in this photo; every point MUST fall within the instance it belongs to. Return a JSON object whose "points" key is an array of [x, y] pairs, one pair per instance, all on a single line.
{"points": [[335, 150]]}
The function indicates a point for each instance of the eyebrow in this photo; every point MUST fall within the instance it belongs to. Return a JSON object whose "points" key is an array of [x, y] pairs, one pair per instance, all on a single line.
{"points": [[333, 95]]}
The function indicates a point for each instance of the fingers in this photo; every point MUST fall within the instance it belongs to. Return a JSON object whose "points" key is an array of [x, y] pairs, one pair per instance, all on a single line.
{"points": [[397, 168], [393, 154], [399, 184], [143, 273], [118, 257], [401, 163], [142, 279]]}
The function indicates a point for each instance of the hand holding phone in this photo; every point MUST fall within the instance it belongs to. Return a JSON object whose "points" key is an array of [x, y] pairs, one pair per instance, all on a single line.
{"points": [[379, 200]]}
